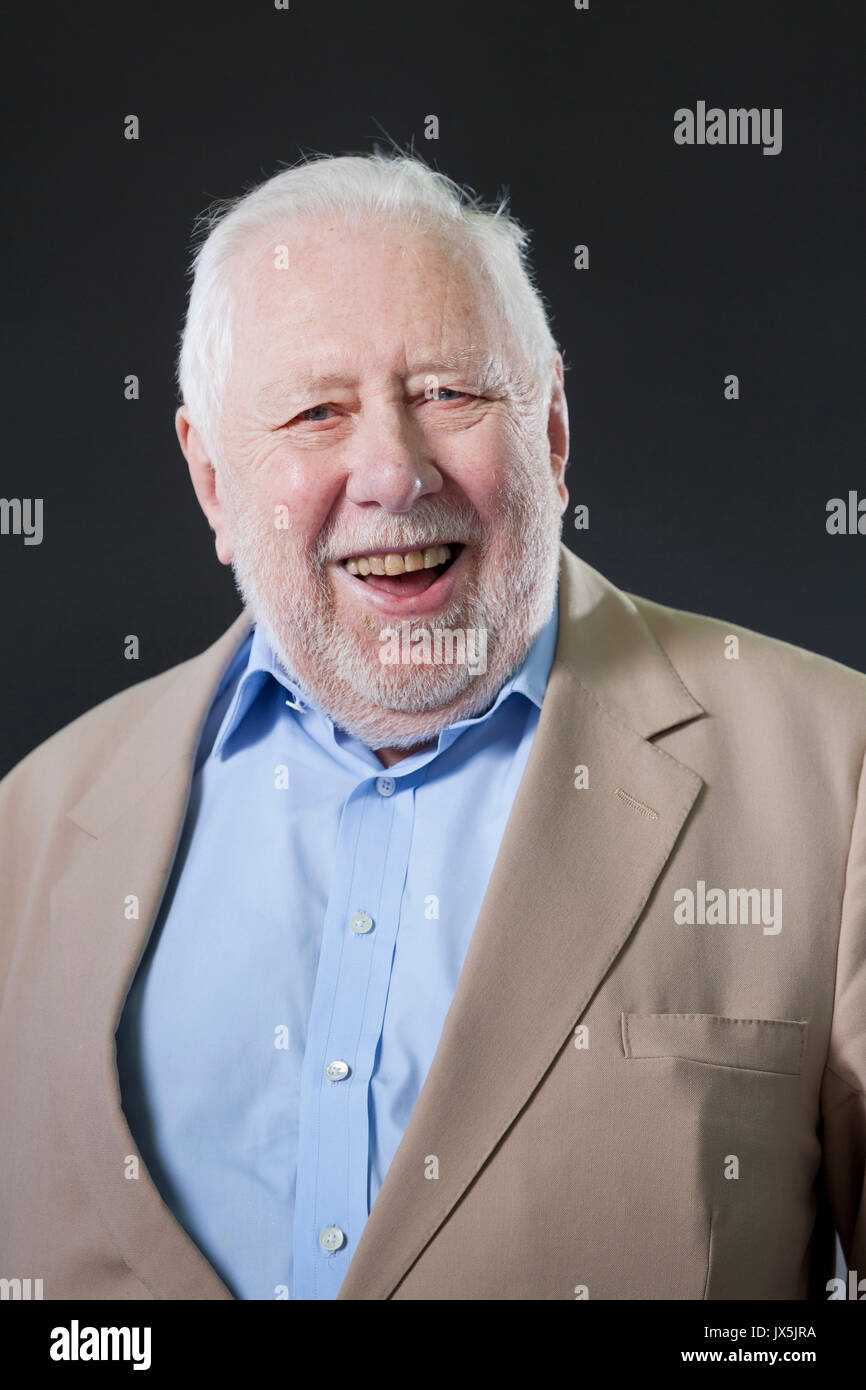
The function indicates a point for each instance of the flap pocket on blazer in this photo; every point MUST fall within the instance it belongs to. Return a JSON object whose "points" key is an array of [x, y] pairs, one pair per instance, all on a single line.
{"points": [[755, 1044]]}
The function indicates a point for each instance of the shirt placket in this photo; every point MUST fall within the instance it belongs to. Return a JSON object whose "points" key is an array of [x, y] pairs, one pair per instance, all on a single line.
{"points": [[348, 1008]]}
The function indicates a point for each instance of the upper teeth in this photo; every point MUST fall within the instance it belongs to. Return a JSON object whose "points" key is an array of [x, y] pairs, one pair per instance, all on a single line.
{"points": [[399, 564]]}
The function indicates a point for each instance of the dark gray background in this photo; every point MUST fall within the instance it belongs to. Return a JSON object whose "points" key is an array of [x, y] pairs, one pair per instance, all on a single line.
{"points": [[703, 262]]}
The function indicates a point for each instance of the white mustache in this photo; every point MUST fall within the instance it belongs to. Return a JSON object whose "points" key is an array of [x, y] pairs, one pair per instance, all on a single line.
{"points": [[371, 547], [437, 531]]}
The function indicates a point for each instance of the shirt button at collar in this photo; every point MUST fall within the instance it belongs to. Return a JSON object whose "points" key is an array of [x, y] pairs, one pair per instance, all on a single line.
{"points": [[386, 786]]}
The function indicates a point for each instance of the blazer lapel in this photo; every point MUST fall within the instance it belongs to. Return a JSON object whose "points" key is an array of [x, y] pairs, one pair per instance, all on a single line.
{"points": [[573, 873], [133, 817]]}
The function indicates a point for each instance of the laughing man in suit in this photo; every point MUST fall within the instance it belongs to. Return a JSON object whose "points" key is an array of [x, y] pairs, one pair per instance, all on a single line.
{"points": [[457, 926]]}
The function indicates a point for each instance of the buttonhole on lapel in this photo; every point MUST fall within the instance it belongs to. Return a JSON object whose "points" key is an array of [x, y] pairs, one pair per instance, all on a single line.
{"points": [[639, 806]]}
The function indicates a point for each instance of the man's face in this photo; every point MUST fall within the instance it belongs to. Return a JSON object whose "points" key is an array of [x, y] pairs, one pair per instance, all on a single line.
{"points": [[378, 407]]}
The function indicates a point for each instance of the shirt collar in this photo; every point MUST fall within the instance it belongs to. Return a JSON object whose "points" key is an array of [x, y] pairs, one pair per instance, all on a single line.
{"points": [[256, 663]]}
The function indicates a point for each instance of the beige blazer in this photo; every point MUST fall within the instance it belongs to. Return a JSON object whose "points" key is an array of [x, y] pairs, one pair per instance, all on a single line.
{"points": [[624, 1104]]}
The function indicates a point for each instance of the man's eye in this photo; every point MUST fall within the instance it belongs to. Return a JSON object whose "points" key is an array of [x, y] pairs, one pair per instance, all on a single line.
{"points": [[313, 413], [445, 393]]}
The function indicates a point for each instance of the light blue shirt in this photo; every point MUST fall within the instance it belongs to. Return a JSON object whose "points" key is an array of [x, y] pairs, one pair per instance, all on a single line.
{"points": [[292, 994]]}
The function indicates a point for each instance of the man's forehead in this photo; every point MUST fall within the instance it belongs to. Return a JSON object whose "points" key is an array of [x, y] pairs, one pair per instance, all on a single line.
{"points": [[384, 280], [311, 253]]}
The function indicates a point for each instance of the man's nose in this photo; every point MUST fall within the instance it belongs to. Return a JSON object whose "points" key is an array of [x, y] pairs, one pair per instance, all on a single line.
{"points": [[391, 462]]}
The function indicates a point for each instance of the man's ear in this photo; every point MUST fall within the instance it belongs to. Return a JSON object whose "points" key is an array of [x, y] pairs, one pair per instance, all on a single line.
{"points": [[201, 471], [557, 430]]}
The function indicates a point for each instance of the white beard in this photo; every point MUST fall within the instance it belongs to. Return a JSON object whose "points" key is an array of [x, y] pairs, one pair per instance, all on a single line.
{"points": [[337, 667]]}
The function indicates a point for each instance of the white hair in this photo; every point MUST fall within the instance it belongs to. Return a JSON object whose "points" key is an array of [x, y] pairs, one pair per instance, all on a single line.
{"points": [[394, 187]]}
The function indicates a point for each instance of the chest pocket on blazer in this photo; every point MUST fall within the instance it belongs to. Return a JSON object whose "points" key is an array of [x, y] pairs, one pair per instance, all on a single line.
{"points": [[752, 1044]]}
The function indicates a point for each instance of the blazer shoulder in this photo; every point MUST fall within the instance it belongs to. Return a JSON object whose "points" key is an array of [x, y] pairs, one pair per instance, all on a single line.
{"points": [[67, 761], [768, 669]]}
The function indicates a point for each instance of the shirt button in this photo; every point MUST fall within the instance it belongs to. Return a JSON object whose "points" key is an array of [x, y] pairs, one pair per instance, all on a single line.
{"points": [[361, 922], [337, 1071], [332, 1238], [386, 786]]}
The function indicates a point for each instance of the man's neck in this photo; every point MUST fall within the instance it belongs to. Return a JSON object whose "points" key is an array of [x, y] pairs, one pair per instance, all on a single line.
{"points": [[389, 756]]}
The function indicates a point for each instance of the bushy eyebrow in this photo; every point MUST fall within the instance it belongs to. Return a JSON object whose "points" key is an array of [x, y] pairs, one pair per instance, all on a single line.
{"points": [[490, 372]]}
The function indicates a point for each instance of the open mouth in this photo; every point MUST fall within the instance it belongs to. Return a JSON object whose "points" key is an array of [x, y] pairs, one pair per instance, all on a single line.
{"points": [[405, 572]]}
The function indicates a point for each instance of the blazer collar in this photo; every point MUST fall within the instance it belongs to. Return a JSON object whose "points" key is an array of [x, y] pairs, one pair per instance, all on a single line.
{"points": [[606, 645], [603, 642], [170, 730]]}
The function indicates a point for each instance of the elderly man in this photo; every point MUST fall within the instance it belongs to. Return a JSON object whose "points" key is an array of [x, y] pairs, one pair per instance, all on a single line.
{"points": [[457, 926]]}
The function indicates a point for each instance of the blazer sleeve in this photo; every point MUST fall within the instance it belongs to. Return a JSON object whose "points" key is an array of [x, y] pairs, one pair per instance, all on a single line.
{"points": [[843, 1090]]}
